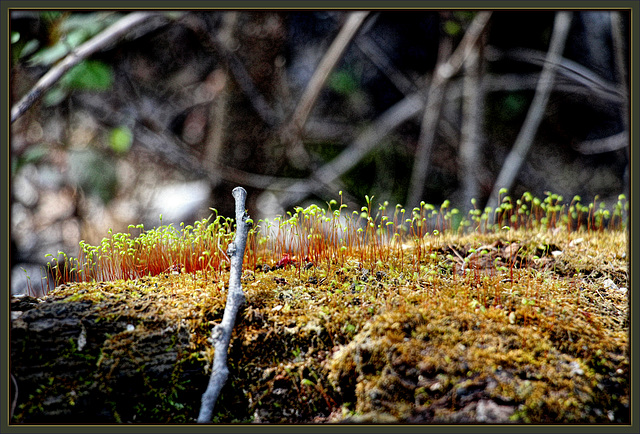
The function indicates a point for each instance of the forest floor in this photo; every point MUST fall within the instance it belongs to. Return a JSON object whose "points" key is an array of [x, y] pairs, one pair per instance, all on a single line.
{"points": [[510, 327]]}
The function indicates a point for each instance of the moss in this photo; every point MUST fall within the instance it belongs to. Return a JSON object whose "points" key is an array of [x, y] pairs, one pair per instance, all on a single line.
{"points": [[492, 327]]}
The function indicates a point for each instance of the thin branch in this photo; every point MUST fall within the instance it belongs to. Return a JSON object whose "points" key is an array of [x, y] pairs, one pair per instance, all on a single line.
{"points": [[98, 42], [327, 64], [290, 134], [237, 68], [435, 97], [604, 144], [471, 134], [380, 59], [516, 157], [402, 111], [221, 333], [173, 152], [568, 68]]}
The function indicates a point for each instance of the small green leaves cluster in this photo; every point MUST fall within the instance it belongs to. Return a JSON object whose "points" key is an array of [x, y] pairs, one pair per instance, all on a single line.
{"points": [[140, 252], [322, 235], [531, 213]]}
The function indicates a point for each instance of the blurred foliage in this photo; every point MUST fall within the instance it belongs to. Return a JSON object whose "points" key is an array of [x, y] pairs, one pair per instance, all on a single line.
{"points": [[135, 76], [32, 155], [94, 174], [67, 31], [121, 139], [343, 82], [87, 75], [458, 22]]}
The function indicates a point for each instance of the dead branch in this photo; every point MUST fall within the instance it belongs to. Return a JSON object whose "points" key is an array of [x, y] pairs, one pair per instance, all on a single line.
{"points": [[291, 132], [328, 62], [235, 65], [471, 134], [98, 42], [604, 144], [512, 164], [569, 69], [435, 97], [367, 141], [221, 333]]}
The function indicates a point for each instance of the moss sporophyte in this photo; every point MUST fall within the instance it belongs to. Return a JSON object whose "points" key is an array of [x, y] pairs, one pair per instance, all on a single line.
{"points": [[424, 315]]}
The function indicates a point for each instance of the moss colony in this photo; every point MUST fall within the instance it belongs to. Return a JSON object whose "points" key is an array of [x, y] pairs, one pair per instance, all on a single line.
{"points": [[369, 316]]}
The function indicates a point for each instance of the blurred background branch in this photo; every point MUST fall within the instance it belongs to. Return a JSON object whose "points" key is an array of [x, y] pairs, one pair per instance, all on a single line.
{"points": [[98, 42], [446, 68], [516, 157]]}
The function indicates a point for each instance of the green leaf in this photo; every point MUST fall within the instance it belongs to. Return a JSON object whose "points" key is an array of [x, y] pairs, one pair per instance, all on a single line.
{"points": [[452, 28], [89, 75], [29, 48], [121, 139], [343, 82], [54, 96], [50, 55]]}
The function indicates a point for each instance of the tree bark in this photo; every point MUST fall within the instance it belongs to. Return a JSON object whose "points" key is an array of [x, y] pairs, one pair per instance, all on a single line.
{"points": [[93, 362]]}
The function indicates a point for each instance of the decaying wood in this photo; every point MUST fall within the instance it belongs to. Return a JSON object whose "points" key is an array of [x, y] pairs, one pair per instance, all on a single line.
{"points": [[95, 362]]}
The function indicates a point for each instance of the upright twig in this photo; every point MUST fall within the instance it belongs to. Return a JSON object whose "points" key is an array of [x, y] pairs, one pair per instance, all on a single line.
{"points": [[221, 333], [435, 98], [98, 42], [516, 157]]}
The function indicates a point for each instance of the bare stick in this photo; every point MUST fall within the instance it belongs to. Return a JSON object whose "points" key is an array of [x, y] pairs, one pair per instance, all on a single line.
{"points": [[570, 69], [221, 333], [516, 157], [98, 42], [435, 98]]}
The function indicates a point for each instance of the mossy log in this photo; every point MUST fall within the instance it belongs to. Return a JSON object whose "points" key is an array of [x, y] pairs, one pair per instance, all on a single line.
{"points": [[485, 328]]}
